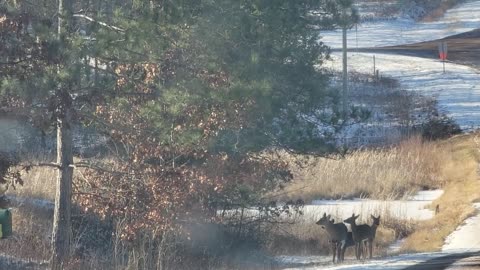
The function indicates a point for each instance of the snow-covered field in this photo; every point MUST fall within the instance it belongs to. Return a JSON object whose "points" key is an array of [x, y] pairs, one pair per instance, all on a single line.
{"points": [[413, 207], [457, 90], [463, 18]]}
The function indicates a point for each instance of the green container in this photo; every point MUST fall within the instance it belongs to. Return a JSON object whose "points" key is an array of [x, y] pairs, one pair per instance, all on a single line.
{"points": [[6, 221]]}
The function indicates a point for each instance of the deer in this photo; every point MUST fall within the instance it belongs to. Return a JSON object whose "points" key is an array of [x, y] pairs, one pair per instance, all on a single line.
{"points": [[373, 232], [348, 243], [338, 236], [360, 233]]}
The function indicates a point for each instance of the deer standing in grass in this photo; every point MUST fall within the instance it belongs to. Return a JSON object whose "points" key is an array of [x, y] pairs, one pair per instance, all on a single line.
{"points": [[338, 236], [348, 243], [360, 233], [373, 232]]}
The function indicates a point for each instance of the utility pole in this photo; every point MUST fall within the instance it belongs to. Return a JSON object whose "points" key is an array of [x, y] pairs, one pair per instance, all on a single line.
{"points": [[345, 71]]}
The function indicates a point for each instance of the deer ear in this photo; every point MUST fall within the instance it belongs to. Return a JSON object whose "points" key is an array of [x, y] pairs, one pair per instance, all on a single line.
{"points": [[324, 214], [329, 216], [357, 216], [372, 216]]}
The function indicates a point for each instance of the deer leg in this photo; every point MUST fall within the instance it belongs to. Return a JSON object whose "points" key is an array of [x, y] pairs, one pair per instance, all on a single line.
{"points": [[370, 248], [344, 248], [341, 250], [356, 251], [361, 253], [365, 250], [334, 250]]}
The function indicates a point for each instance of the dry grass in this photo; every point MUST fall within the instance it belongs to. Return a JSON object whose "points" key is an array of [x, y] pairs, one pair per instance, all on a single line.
{"points": [[386, 173], [39, 183], [32, 226], [390, 173], [462, 190]]}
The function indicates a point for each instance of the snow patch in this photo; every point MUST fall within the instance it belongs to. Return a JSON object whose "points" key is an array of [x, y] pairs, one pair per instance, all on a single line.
{"points": [[465, 238], [304, 260], [391, 263], [413, 207]]}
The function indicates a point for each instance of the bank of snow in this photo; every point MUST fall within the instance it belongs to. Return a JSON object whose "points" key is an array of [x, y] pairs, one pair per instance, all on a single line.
{"points": [[466, 237], [460, 19]]}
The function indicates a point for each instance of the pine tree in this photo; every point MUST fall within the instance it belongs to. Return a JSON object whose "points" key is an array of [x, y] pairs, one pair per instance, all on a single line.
{"points": [[189, 90]]}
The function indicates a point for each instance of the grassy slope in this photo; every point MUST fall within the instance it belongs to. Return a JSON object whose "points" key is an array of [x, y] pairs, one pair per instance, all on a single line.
{"points": [[461, 190], [451, 165], [387, 173]]}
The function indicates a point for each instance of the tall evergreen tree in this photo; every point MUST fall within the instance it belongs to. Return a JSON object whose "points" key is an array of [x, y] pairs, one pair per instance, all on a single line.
{"points": [[190, 90]]}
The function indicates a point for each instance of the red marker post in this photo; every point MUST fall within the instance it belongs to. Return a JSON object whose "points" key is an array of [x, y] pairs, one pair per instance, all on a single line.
{"points": [[443, 52]]}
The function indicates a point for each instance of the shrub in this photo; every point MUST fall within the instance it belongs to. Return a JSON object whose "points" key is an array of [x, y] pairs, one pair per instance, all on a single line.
{"points": [[440, 127]]}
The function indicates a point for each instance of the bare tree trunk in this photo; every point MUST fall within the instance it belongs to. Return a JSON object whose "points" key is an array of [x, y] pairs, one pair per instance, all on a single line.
{"points": [[61, 234]]}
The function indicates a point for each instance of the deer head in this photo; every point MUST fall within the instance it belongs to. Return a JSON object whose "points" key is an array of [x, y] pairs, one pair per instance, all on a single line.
{"points": [[351, 220], [376, 220]]}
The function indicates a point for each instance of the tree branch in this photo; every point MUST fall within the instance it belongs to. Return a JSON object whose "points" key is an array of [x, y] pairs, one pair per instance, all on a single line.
{"points": [[41, 164], [115, 28]]}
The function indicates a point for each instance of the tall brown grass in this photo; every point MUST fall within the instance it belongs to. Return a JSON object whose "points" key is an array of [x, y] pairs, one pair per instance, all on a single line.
{"points": [[383, 173], [39, 181], [462, 189]]}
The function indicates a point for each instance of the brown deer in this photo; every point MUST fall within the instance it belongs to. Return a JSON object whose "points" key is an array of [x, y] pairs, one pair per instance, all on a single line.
{"points": [[348, 243], [360, 233], [338, 236], [373, 232]]}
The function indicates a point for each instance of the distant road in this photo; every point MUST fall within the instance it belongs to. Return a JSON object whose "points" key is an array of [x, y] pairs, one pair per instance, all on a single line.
{"points": [[462, 48]]}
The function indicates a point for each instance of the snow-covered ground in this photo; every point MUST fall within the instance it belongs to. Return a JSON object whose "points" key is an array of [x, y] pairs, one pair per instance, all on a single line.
{"points": [[461, 240], [413, 207], [457, 90], [463, 18], [392, 263]]}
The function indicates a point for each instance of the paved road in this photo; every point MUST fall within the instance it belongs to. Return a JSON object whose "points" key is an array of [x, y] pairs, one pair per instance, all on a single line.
{"points": [[461, 261], [462, 48]]}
